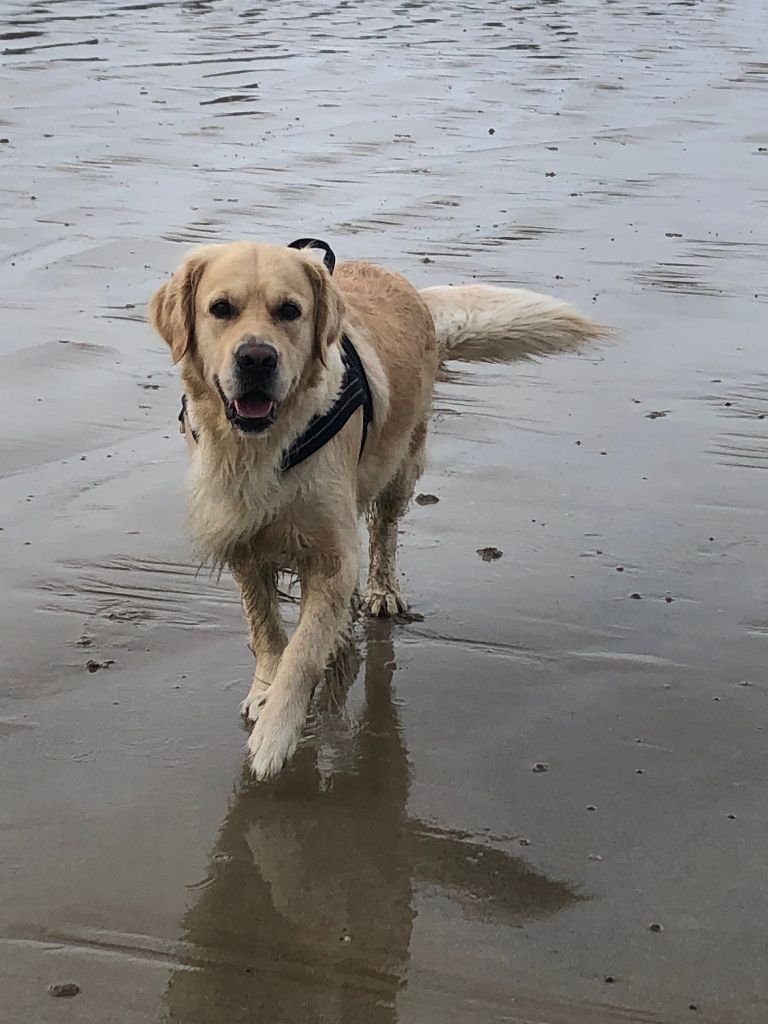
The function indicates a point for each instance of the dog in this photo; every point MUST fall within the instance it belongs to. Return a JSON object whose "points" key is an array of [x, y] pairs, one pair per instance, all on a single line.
{"points": [[308, 392]]}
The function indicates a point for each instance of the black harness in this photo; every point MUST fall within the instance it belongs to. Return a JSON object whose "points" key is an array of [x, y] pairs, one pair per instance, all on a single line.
{"points": [[355, 391]]}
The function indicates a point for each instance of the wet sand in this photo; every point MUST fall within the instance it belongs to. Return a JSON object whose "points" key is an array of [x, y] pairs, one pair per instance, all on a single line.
{"points": [[411, 865]]}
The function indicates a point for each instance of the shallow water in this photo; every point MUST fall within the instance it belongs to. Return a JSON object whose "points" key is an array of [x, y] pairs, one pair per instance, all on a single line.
{"points": [[410, 866]]}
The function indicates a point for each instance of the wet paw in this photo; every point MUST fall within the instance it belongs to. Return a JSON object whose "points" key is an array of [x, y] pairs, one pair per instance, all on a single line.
{"points": [[384, 602], [275, 736]]}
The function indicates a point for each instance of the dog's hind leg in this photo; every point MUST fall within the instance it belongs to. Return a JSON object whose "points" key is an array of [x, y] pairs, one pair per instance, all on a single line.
{"points": [[258, 590], [383, 597]]}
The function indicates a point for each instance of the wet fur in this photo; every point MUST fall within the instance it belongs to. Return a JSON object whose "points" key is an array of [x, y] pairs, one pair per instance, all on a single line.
{"points": [[246, 514]]}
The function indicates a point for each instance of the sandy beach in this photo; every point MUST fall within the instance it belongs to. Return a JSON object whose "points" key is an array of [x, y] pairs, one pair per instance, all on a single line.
{"points": [[545, 799]]}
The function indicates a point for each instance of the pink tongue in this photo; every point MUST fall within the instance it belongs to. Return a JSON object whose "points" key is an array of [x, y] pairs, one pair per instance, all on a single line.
{"points": [[251, 408]]}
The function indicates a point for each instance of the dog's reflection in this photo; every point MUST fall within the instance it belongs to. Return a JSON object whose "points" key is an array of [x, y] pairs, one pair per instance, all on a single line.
{"points": [[308, 908]]}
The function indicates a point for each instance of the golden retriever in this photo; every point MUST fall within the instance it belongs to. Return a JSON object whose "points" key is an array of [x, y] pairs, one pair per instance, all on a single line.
{"points": [[257, 332]]}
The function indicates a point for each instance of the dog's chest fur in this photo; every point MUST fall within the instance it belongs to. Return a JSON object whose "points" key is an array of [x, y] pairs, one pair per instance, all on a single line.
{"points": [[240, 504]]}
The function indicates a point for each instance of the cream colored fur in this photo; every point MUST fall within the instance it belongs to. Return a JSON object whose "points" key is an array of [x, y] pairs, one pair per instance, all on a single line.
{"points": [[505, 323], [247, 514]]}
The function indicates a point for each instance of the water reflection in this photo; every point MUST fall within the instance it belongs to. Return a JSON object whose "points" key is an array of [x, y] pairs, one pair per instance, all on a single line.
{"points": [[307, 912]]}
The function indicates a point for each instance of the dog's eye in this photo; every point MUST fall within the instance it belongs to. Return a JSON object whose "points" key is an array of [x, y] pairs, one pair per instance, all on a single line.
{"points": [[288, 311], [222, 309]]}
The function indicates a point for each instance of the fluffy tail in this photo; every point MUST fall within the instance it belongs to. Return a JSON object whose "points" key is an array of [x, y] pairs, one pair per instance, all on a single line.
{"points": [[503, 324]]}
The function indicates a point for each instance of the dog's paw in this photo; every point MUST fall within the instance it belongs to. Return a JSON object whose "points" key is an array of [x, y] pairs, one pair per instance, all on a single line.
{"points": [[254, 702], [384, 602], [275, 735]]}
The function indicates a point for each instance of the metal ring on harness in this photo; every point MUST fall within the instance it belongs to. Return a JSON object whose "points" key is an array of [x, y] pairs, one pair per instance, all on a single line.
{"points": [[329, 259]]}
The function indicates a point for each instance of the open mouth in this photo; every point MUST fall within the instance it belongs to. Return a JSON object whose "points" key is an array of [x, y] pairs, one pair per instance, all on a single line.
{"points": [[251, 412]]}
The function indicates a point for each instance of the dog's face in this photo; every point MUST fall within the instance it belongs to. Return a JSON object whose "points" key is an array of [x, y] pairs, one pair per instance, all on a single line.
{"points": [[253, 322]]}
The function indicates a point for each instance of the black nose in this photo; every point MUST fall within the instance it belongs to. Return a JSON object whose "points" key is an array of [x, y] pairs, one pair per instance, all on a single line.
{"points": [[256, 355]]}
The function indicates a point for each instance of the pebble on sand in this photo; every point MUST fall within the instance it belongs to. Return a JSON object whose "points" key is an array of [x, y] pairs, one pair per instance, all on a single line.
{"points": [[65, 990], [489, 554]]}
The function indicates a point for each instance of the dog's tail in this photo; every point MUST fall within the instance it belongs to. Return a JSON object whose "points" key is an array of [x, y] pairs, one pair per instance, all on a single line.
{"points": [[503, 324]]}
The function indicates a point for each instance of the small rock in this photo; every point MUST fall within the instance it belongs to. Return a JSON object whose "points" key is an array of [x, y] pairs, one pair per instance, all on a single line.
{"points": [[636, 597], [94, 666], [426, 259], [655, 927], [524, 842], [84, 641], [619, 568], [673, 234], [64, 991], [591, 807], [491, 131], [489, 554], [549, 174], [657, 414], [426, 499], [610, 980], [594, 856], [540, 767]]}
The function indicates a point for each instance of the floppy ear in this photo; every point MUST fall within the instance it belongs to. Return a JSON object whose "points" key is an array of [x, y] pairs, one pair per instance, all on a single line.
{"points": [[172, 307], [329, 309]]}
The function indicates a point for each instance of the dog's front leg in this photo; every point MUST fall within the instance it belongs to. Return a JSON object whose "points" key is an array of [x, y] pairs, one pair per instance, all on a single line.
{"points": [[268, 638], [328, 579]]}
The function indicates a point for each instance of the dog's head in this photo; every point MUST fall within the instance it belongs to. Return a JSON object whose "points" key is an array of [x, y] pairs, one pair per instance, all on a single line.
{"points": [[252, 322]]}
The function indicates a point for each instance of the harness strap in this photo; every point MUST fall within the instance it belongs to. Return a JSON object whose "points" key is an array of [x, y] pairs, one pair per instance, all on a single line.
{"points": [[329, 257], [355, 392], [184, 420]]}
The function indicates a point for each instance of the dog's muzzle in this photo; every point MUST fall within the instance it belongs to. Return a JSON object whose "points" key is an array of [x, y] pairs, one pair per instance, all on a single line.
{"points": [[253, 406]]}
